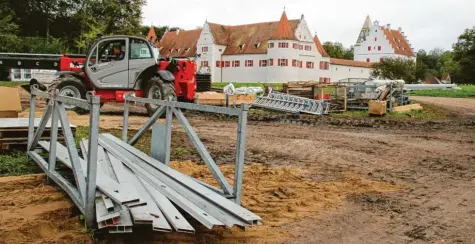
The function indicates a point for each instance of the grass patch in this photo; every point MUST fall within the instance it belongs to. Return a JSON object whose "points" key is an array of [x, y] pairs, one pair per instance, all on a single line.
{"points": [[466, 91], [12, 83], [430, 112], [82, 132], [275, 86], [17, 164]]}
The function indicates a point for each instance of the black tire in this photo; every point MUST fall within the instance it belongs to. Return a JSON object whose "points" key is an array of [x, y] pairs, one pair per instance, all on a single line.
{"points": [[71, 86], [157, 89]]}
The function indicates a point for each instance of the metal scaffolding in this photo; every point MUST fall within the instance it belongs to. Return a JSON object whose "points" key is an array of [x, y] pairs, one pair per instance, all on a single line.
{"points": [[173, 109], [118, 186]]}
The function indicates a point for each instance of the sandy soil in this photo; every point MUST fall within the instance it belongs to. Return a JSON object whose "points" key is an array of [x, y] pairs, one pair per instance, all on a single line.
{"points": [[461, 105], [311, 184]]}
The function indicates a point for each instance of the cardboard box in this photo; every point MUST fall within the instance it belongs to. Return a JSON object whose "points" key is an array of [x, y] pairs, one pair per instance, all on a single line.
{"points": [[10, 104], [377, 107]]}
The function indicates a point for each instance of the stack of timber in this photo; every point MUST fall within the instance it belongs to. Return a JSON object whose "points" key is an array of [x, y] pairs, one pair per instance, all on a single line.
{"points": [[221, 99], [135, 189], [407, 108], [14, 132]]}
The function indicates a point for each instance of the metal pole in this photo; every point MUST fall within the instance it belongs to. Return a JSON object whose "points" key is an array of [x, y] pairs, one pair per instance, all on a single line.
{"points": [[31, 124], [125, 123], [94, 102], [168, 135], [240, 154], [53, 141]]}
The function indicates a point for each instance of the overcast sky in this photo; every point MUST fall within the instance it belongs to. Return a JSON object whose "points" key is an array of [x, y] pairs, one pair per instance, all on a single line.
{"points": [[427, 23]]}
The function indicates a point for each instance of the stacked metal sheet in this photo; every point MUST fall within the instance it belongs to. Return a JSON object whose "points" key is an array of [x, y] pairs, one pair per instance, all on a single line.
{"points": [[135, 189], [291, 104]]}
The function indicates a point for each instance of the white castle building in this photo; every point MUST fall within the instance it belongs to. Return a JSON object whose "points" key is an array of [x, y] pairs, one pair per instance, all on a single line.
{"points": [[269, 52], [378, 42]]}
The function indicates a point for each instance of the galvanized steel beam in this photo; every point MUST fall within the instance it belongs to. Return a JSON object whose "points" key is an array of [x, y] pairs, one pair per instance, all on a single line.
{"points": [[178, 180], [147, 125], [190, 106], [222, 181]]}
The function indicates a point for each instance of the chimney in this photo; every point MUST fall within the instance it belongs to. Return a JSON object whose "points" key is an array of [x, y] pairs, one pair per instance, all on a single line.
{"points": [[376, 23], [388, 26], [177, 32], [400, 29]]}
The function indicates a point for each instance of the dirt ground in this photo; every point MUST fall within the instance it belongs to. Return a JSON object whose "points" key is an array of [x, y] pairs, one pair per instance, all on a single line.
{"points": [[311, 184], [462, 105]]}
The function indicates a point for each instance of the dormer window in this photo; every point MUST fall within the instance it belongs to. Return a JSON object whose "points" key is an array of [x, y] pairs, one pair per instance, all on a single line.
{"points": [[187, 50], [241, 46], [257, 45], [178, 50]]}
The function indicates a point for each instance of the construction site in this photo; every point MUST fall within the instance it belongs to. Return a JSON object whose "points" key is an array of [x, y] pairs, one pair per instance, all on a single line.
{"points": [[304, 179], [126, 146]]}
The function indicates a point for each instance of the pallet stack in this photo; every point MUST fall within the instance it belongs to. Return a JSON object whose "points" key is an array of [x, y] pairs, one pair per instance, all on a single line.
{"points": [[14, 133]]}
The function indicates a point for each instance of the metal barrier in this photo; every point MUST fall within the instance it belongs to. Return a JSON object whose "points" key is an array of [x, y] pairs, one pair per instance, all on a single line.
{"points": [[84, 191], [172, 108]]}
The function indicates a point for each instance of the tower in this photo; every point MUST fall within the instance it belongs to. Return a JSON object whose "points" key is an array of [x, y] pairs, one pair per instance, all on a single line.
{"points": [[364, 31]]}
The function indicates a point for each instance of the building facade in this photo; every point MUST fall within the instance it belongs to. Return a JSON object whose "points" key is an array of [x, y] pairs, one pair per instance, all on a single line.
{"points": [[377, 42], [269, 52]]}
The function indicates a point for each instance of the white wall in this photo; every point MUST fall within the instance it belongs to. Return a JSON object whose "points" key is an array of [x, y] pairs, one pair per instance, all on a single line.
{"points": [[243, 73], [361, 51], [339, 72]]}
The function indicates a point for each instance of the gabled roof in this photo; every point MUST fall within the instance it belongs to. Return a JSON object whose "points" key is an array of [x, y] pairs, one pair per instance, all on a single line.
{"points": [[398, 42], [247, 39], [283, 30], [446, 77], [152, 36], [239, 39], [179, 43], [337, 61], [320, 47], [430, 79]]}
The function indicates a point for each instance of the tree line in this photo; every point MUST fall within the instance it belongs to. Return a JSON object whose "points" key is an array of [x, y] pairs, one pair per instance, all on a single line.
{"points": [[459, 63], [67, 26]]}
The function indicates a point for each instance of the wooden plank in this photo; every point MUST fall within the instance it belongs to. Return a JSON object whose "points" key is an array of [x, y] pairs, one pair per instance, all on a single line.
{"points": [[407, 108], [210, 98]]}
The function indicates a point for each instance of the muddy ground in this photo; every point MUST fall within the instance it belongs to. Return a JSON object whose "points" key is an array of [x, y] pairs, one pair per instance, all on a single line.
{"points": [[391, 183]]}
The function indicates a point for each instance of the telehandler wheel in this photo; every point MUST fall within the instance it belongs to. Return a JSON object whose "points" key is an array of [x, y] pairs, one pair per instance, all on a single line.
{"points": [[157, 89], [72, 87]]}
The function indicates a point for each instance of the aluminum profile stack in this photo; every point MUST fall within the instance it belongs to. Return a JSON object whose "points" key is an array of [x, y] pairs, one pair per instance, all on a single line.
{"points": [[116, 186], [153, 190], [291, 104]]}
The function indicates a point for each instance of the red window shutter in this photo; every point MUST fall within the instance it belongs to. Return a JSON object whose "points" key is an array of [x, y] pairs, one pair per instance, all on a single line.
{"points": [[367, 60], [217, 64], [369, 48], [379, 48], [375, 39], [252, 63], [260, 63], [286, 62], [222, 63]]}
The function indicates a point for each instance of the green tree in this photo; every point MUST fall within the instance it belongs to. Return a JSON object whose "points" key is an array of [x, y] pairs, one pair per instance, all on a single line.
{"points": [[337, 50], [396, 69], [464, 54]]}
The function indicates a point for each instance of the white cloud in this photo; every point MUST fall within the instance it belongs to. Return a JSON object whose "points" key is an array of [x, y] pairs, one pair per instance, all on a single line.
{"points": [[427, 23]]}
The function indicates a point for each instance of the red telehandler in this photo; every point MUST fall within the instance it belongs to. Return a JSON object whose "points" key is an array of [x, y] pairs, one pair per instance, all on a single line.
{"points": [[113, 66]]}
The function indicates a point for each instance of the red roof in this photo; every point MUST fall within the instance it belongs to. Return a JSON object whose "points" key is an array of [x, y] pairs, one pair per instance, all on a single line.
{"points": [[179, 43], [320, 47], [283, 31], [239, 39], [152, 36], [398, 42], [337, 61]]}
